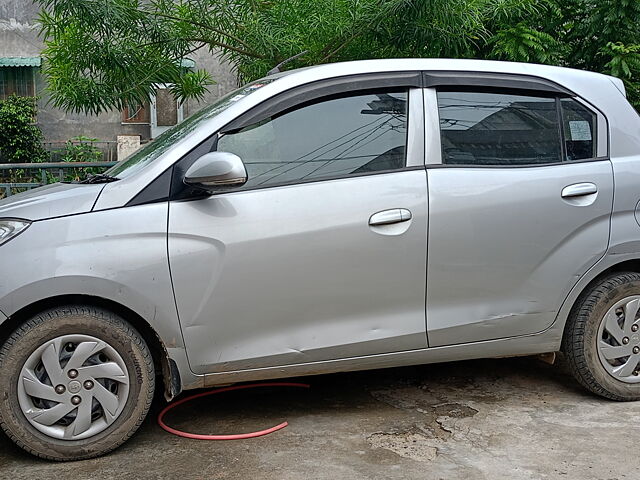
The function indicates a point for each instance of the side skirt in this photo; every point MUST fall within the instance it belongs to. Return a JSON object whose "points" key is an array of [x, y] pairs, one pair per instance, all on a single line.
{"points": [[544, 342]]}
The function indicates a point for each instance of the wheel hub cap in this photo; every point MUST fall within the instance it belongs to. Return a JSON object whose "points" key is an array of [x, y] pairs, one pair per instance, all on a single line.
{"points": [[73, 387], [618, 342]]}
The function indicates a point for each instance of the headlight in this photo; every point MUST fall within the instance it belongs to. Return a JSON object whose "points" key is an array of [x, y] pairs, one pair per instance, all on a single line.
{"points": [[11, 228]]}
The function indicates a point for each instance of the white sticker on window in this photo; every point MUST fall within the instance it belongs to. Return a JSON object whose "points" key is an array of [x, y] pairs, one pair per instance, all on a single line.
{"points": [[580, 130]]}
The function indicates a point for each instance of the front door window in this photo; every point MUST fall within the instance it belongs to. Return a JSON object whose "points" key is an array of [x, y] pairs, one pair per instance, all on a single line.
{"points": [[331, 138]]}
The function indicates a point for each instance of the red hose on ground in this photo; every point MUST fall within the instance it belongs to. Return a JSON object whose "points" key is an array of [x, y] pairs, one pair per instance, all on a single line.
{"points": [[239, 436]]}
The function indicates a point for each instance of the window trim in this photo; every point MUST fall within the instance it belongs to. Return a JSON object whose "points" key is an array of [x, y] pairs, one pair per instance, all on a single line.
{"points": [[533, 165], [318, 180], [510, 81], [563, 139], [349, 84], [435, 158]]}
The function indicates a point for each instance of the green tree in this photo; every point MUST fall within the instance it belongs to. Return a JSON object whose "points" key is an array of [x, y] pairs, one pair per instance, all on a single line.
{"points": [[104, 54], [20, 138], [604, 35]]}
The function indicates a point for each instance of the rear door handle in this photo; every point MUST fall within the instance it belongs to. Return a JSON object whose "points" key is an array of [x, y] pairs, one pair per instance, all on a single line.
{"points": [[388, 217], [579, 190]]}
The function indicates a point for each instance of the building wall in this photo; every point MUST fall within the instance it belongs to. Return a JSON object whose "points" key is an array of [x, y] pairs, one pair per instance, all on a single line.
{"points": [[220, 71], [19, 37]]}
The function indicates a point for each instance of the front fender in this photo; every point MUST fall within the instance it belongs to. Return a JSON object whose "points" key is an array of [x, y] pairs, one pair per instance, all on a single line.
{"points": [[162, 321], [119, 255]]}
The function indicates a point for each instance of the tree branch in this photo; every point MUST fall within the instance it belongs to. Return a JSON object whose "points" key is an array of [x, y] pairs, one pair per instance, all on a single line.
{"points": [[244, 51]]}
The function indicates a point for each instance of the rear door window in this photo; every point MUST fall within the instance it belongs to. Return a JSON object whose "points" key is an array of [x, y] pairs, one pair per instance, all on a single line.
{"points": [[484, 128]]}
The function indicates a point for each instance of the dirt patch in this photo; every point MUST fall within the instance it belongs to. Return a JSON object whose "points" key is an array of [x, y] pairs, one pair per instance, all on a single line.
{"points": [[454, 410], [408, 445]]}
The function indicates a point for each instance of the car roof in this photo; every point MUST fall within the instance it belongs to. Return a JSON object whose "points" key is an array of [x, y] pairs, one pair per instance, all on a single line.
{"points": [[568, 77]]}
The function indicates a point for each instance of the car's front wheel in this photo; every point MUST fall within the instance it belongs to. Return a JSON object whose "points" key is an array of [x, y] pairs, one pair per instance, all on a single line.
{"points": [[79, 381], [602, 338]]}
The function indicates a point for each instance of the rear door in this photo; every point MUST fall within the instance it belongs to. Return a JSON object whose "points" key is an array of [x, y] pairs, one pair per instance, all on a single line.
{"points": [[520, 198], [322, 254]]}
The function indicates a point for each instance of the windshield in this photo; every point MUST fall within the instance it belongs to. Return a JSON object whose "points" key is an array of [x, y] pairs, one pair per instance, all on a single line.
{"points": [[160, 145]]}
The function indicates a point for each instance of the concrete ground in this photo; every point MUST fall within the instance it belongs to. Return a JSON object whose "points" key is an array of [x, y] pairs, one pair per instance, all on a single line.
{"points": [[489, 419]]}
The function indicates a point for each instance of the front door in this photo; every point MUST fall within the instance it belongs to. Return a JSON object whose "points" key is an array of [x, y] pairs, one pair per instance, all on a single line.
{"points": [[322, 254], [519, 211]]}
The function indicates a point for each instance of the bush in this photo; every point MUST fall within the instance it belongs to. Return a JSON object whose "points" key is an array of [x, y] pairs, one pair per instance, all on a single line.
{"points": [[77, 149], [80, 149], [20, 138]]}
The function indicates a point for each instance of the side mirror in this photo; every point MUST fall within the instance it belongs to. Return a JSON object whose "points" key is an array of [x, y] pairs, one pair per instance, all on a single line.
{"points": [[216, 169]]}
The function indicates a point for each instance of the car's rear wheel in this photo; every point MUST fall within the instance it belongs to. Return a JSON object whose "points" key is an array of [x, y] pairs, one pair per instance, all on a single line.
{"points": [[602, 338], [79, 382]]}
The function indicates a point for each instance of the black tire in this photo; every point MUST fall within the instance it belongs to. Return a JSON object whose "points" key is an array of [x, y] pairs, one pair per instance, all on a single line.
{"points": [[75, 320], [581, 336]]}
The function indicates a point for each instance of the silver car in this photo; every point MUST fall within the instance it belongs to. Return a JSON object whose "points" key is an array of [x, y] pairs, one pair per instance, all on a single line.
{"points": [[341, 217]]}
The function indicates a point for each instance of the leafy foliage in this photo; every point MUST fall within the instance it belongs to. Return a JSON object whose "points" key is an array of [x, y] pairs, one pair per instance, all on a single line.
{"points": [[21, 142], [80, 149], [524, 44], [104, 54], [77, 149], [599, 35], [20, 138]]}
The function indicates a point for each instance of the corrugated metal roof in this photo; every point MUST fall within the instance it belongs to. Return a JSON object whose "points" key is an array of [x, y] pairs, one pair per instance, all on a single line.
{"points": [[37, 61], [20, 61]]}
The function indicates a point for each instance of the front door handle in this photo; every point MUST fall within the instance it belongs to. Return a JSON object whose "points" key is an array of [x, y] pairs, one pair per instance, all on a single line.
{"points": [[579, 190], [388, 217]]}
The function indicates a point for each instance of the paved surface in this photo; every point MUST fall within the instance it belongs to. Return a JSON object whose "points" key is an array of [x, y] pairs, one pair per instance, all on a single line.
{"points": [[490, 419]]}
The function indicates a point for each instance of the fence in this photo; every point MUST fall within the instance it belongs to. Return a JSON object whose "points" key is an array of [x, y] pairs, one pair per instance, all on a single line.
{"points": [[38, 174]]}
